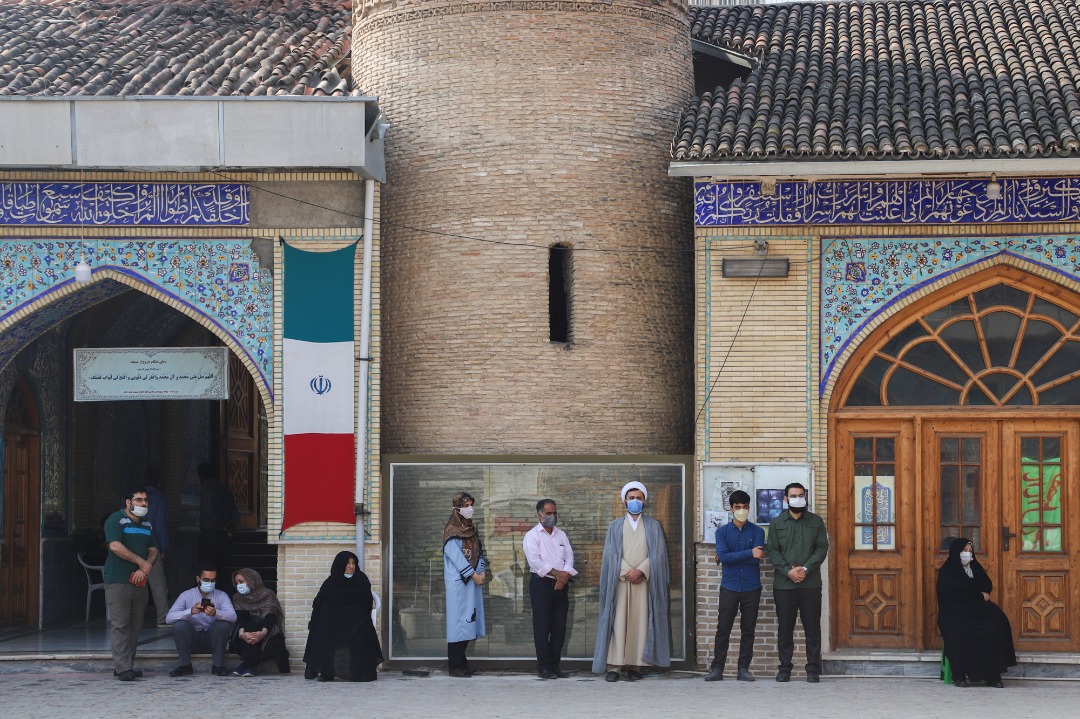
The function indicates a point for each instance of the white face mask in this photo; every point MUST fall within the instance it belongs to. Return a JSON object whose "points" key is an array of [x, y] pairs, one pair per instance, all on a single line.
{"points": [[966, 557], [741, 515], [797, 502], [465, 512], [139, 511]]}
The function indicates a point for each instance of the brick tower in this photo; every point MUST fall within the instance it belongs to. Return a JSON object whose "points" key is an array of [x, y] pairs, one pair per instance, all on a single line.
{"points": [[527, 124]]}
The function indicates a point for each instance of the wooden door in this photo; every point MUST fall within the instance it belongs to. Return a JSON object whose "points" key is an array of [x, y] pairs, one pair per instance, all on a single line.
{"points": [[22, 478], [1039, 540], [960, 478], [876, 578], [240, 443]]}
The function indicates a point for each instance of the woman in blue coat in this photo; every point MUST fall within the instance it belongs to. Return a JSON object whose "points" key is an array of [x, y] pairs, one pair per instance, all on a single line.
{"points": [[464, 566]]}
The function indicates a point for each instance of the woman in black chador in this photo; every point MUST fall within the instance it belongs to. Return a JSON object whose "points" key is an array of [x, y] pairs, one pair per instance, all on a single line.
{"points": [[977, 634], [341, 616]]}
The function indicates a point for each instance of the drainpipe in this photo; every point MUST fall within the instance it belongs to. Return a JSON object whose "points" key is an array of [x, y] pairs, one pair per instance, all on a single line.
{"points": [[365, 370]]}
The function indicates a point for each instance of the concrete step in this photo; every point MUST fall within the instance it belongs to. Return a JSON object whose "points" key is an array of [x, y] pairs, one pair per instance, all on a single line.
{"points": [[928, 664]]}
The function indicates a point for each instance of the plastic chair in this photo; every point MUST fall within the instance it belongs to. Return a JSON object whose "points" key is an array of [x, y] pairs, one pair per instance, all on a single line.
{"points": [[375, 609], [91, 585]]}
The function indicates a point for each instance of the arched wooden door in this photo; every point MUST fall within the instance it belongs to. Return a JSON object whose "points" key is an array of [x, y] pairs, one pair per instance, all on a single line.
{"points": [[960, 417], [21, 530]]}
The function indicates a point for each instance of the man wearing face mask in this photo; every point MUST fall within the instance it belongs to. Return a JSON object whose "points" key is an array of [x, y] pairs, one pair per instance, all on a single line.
{"points": [[797, 547], [740, 545], [634, 628], [203, 619], [132, 553], [551, 561]]}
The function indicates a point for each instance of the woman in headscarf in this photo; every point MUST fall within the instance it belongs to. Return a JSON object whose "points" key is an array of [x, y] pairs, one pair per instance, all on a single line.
{"points": [[464, 566], [341, 616], [977, 634], [259, 617]]}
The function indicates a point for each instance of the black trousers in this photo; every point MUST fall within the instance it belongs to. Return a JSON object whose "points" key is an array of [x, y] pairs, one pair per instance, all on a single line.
{"points": [[549, 610], [269, 648], [747, 605], [455, 652], [807, 603]]}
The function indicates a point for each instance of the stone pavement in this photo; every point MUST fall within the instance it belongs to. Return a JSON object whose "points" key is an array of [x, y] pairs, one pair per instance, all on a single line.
{"points": [[97, 694]]}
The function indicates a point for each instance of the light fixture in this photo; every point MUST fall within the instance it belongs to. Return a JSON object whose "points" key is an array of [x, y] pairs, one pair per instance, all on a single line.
{"points": [[754, 267], [82, 270], [993, 188]]}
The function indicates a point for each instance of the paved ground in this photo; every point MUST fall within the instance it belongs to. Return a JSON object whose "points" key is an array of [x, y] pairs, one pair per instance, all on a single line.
{"points": [[395, 695]]}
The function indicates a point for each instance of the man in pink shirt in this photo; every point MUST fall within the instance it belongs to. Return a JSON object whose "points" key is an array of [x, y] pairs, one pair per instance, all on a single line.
{"points": [[551, 561]]}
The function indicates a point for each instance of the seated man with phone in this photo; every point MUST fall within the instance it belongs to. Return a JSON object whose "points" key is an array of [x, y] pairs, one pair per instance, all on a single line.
{"points": [[203, 619]]}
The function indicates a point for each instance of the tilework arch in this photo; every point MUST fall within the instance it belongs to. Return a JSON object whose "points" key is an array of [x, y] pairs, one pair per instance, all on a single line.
{"points": [[218, 283], [915, 294]]}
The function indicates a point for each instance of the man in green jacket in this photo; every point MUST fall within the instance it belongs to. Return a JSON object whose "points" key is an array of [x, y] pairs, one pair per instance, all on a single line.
{"points": [[797, 546]]}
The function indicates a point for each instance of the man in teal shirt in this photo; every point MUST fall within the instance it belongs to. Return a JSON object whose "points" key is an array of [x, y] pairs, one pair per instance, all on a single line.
{"points": [[797, 546], [132, 553]]}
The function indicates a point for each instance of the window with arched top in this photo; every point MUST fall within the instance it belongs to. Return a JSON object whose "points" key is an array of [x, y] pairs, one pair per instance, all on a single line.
{"points": [[998, 346]]}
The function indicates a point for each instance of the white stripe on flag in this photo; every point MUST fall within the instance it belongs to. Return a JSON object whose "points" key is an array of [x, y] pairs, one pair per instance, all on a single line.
{"points": [[318, 380]]}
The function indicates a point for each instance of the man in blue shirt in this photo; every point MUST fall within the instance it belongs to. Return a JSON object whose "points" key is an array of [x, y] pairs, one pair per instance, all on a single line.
{"points": [[740, 545]]}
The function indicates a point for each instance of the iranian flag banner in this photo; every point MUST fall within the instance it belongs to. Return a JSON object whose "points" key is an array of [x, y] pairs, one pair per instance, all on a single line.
{"points": [[319, 397]]}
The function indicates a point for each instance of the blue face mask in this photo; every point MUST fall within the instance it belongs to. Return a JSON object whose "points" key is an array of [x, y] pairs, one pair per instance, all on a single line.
{"points": [[348, 576], [207, 587], [634, 506]]}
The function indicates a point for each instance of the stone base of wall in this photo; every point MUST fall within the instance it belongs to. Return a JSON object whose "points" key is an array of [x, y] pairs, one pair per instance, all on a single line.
{"points": [[302, 568], [766, 658]]}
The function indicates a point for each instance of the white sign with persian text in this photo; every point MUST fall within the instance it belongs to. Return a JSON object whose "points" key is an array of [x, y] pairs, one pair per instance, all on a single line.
{"points": [[133, 373]]}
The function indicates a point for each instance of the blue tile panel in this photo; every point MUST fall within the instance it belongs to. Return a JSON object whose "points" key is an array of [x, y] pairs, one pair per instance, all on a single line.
{"points": [[886, 202], [146, 204], [221, 280], [863, 277]]}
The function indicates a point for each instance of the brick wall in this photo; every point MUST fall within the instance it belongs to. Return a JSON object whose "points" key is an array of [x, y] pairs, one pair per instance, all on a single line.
{"points": [[532, 124]]}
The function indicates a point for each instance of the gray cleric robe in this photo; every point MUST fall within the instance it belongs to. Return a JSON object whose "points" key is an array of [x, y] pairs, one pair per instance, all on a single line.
{"points": [[658, 638]]}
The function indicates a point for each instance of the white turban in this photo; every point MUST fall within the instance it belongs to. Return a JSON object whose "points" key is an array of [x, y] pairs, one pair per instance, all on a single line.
{"points": [[634, 485]]}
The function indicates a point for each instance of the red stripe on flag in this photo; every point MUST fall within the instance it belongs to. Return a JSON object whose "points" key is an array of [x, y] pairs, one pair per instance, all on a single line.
{"points": [[320, 478]]}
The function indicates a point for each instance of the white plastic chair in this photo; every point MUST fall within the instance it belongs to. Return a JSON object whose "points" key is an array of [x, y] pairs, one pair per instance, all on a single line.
{"points": [[376, 608], [91, 585]]}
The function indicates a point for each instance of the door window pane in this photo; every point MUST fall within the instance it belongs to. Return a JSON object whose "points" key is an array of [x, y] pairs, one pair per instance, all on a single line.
{"points": [[506, 494], [875, 494], [1041, 488], [960, 470]]}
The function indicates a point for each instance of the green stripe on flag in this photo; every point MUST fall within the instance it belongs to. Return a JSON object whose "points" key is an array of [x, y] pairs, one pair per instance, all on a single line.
{"points": [[319, 294]]}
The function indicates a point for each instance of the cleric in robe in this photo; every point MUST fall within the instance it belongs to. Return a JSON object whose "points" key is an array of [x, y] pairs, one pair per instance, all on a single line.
{"points": [[634, 628]]}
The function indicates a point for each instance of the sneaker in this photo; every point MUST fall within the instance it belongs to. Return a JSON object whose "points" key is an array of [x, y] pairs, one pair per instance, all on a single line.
{"points": [[745, 675], [784, 675], [243, 671], [182, 671], [716, 674], [219, 671]]}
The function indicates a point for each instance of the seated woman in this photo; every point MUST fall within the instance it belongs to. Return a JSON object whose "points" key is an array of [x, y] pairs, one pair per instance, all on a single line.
{"points": [[341, 616], [977, 634], [259, 636]]}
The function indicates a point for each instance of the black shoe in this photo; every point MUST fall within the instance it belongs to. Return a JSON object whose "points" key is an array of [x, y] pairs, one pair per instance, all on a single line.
{"points": [[612, 677], [560, 674], [460, 673], [127, 675], [996, 683], [326, 678], [813, 677], [182, 671], [784, 675], [633, 675], [745, 675], [138, 673], [962, 683], [546, 674], [716, 674], [219, 672]]}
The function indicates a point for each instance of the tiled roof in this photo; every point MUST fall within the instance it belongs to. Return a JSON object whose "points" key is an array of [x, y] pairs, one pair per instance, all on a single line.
{"points": [[181, 47], [893, 79]]}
